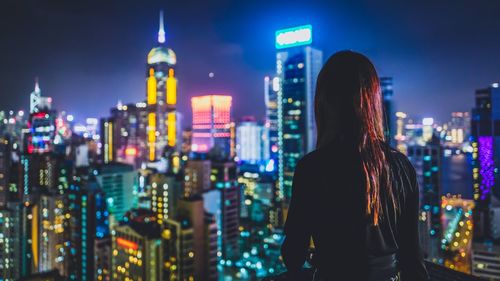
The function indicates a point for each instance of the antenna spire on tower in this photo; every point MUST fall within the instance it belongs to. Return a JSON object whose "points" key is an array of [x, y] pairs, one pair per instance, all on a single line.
{"points": [[37, 86], [161, 31]]}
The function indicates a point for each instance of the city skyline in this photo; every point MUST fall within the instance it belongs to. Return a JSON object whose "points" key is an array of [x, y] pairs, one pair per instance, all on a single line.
{"points": [[111, 66]]}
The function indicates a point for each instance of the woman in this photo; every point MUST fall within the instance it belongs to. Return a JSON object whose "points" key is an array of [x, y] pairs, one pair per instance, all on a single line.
{"points": [[356, 197]]}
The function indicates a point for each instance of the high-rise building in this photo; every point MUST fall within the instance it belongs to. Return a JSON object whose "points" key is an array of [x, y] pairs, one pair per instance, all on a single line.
{"points": [[137, 252], [187, 137], [212, 258], [128, 134], [485, 139], [427, 162], [400, 136], [388, 106], [39, 103], [297, 66], [458, 128], [197, 177], [271, 88], [165, 191], [41, 124], [5, 160], [212, 124], [190, 243], [179, 249], [224, 178], [252, 141], [119, 182], [108, 152], [49, 234], [161, 97], [10, 252]]}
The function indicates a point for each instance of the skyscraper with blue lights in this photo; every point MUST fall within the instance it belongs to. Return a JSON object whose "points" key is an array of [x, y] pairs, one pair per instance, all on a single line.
{"points": [[389, 114], [297, 67]]}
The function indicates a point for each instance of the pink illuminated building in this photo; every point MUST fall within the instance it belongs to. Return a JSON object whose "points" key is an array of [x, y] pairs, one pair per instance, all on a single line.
{"points": [[211, 123]]}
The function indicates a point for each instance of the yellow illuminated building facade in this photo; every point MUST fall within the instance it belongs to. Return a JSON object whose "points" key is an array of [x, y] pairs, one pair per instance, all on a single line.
{"points": [[161, 97]]}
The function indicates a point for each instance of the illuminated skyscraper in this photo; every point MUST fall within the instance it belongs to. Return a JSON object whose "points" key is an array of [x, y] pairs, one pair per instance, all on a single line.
{"points": [[38, 102], [137, 252], [49, 236], [252, 141], [485, 139], [297, 66], [427, 162], [128, 134], [387, 92], [459, 128], [165, 190], [400, 136], [10, 252], [227, 213], [197, 177], [5, 160], [211, 124], [119, 183], [108, 152], [161, 97], [271, 88]]}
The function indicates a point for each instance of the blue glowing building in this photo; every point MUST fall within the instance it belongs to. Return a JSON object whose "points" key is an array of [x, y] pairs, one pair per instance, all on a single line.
{"points": [[388, 105], [297, 66]]}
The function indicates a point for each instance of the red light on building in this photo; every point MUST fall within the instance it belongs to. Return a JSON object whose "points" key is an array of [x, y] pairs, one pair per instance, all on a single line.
{"points": [[131, 151], [126, 244]]}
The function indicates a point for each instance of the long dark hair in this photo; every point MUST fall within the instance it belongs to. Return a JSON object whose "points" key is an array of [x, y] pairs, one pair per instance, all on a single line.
{"points": [[348, 105]]}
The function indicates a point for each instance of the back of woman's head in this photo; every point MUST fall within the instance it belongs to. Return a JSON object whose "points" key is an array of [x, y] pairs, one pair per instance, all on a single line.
{"points": [[348, 105]]}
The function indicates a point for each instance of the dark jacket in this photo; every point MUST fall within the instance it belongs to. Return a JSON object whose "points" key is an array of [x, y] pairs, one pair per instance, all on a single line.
{"points": [[328, 204]]}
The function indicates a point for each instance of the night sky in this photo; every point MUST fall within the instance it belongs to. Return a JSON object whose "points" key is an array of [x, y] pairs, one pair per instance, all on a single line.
{"points": [[89, 55]]}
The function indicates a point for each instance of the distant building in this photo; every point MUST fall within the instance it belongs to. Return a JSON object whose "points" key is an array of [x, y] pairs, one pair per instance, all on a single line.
{"points": [[165, 192], [161, 97], [191, 243], [485, 154], [458, 128], [212, 124], [297, 67], [427, 162], [197, 177], [137, 252], [224, 176], [252, 141], [127, 131], [386, 85], [5, 166], [119, 182], [10, 234], [271, 88]]}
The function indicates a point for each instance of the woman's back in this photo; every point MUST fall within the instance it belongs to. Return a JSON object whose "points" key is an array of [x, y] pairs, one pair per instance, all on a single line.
{"points": [[328, 204]]}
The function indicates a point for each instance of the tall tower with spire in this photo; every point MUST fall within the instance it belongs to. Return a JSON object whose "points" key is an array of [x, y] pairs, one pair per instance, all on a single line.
{"points": [[161, 97], [37, 102]]}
